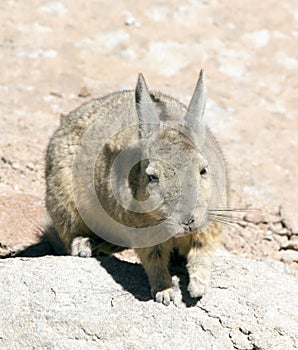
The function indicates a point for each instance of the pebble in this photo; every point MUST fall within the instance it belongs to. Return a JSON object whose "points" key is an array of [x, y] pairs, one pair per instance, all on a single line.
{"points": [[30, 166], [254, 217], [6, 160], [84, 92], [56, 94], [284, 232], [279, 229], [291, 244], [242, 223], [131, 20], [16, 166], [281, 240], [275, 227], [262, 226], [268, 238], [288, 255], [289, 218], [272, 218]]}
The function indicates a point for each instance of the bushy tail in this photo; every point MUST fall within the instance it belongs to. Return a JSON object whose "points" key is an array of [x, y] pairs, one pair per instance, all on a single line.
{"points": [[49, 234]]}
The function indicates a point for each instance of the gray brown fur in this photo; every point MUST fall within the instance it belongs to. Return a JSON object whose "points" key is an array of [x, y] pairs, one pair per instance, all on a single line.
{"points": [[197, 244]]}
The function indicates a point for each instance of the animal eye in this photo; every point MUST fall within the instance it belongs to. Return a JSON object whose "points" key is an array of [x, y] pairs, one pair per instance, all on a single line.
{"points": [[153, 178], [203, 171]]}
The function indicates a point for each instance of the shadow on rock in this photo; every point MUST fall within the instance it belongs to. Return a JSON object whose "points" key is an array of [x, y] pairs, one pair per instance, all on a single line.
{"points": [[41, 248], [130, 276], [48, 243]]}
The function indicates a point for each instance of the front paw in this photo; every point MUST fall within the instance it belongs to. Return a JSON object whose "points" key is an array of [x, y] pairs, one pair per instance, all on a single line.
{"points": [[169, 294], [197, 287], [81, 246], [164, 296]]}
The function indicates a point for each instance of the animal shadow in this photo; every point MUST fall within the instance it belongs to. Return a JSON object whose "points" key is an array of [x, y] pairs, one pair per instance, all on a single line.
{"points": [[133, 279], [39, 249], [131, 276]]}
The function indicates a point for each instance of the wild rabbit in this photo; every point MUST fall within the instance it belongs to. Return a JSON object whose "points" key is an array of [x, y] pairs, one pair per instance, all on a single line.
{"points": [[138, 169]]}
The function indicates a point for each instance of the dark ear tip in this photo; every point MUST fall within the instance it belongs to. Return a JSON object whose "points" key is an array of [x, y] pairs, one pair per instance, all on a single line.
{"points": [[202, 74], [141, 78], [141, 85]]}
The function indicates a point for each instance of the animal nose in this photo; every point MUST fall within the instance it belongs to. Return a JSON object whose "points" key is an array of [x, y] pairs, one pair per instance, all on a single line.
{"points": [[189, 221]]}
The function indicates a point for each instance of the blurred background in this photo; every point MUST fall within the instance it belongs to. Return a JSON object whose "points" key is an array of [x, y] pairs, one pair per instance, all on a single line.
{"points": [[55, 55]]}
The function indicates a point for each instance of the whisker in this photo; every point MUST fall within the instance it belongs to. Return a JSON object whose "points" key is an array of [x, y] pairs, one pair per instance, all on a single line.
{"points": [[231, 224], [225, 217], [240, 210]]}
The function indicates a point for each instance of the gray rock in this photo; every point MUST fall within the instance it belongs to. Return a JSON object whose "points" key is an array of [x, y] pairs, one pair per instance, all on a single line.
{"points": [[75, 303]]}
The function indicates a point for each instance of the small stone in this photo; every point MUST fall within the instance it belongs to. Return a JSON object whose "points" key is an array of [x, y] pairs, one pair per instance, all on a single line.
{"points": [[288, 255], [268, 238], [254, 217], [84, 92], [260, 232], [131, 21], [272, 218], [6, 160], [275, 227], [262, 226], [242, 223], [56, 94], [280, 239], [30, 166], [291, 244], [284, 232], [289, 218], [16, 166]]}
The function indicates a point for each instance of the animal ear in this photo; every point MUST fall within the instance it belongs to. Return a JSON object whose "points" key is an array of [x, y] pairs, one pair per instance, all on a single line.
{"points": [[146, 111], [196, 108]]}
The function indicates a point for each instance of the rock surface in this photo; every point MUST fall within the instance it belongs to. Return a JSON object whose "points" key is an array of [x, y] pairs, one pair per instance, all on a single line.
{"points": [[74, 303]]}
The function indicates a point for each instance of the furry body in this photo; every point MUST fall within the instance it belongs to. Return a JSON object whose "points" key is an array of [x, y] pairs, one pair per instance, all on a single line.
{"points": [[196, 242]]}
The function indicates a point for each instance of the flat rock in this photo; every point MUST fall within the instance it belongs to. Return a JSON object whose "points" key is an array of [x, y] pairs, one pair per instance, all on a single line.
{"points": [[75, 303], [290, 218], [255, 218]]}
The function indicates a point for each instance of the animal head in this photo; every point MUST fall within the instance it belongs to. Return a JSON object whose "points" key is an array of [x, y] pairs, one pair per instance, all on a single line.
{"points": [[172, 182]]}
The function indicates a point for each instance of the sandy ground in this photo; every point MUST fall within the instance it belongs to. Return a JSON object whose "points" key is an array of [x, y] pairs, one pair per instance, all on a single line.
{"points": [[57, 54]]}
